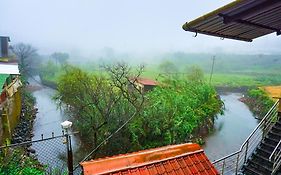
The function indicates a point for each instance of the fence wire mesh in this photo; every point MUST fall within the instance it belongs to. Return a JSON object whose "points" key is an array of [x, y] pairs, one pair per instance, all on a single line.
{"points": [[50, 152]]}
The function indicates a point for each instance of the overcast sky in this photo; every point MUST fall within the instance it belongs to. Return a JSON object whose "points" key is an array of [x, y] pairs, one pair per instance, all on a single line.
{"points": [[124, 25]]}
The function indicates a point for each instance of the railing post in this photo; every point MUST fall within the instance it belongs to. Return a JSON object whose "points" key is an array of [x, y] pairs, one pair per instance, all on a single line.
{"points": [[237, 163], [223, 164], [65, 126], [246, 152], [279, 104], [264, 127], [69, 155]]}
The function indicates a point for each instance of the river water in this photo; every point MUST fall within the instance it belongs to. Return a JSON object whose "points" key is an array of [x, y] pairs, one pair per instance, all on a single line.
{"points": [[231, 128], [49, 116]]}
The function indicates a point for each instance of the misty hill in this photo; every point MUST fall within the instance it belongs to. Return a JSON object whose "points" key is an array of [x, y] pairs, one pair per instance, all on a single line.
{"points": [[228, 63]]}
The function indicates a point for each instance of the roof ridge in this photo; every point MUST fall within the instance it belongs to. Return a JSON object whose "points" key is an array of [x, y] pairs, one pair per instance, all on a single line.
{"points": [[140, 158], [131, 154], [151, 162]]}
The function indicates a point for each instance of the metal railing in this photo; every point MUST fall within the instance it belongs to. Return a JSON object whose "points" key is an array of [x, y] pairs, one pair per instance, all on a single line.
{"points": [[275, 157], [233, 163]]}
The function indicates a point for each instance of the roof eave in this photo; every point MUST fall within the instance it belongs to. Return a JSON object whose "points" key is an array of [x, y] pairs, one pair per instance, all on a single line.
{"points": [[217, 35], [212, 13]]}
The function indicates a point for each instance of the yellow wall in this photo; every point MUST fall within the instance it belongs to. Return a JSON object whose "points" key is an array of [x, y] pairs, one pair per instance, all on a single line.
{"points": [[10, 116]]}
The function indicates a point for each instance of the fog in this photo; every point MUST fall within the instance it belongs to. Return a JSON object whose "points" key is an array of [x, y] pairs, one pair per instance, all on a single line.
{"points": [[87, 27]]}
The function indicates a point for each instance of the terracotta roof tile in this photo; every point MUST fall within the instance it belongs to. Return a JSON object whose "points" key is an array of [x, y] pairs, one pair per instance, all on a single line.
{"points": [[145, 81], [170, 160]]}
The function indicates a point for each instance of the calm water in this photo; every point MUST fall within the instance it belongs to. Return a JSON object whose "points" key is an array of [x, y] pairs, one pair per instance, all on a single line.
{"points": [[49, 117], [231, 129]]}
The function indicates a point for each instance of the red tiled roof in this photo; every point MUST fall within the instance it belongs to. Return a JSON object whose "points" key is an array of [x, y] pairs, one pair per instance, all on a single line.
{"points": [[180, 159], [145, 81]]}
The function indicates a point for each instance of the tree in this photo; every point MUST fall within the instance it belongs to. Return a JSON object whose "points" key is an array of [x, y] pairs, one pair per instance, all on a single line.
{"points": [[99, 105], [60, 57], [26, 54], [167, 67], [195, 74], [173, 113], [102, 105], [49, 69]]}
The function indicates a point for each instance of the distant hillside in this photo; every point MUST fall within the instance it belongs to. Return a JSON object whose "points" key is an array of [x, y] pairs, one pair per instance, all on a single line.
{"points": [[230, 63]]}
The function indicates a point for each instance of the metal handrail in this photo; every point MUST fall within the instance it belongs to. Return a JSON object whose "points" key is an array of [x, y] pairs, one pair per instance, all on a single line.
{"points": [[275, 157], [260, 123], [239, 158], [274, 151]]}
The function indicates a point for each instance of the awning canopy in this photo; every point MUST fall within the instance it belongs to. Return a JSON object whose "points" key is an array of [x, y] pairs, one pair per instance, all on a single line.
{"points": [[240, 20], [9, 68]]}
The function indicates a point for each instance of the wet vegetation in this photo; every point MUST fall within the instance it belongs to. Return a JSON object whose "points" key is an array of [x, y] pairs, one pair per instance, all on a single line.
{"points": [[99, 104], [16, 161], [259, 102]]}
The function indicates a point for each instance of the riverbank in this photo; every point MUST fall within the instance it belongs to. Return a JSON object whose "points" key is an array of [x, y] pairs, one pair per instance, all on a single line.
{"points": [[258, 101], [233, 89], [24, 130]]}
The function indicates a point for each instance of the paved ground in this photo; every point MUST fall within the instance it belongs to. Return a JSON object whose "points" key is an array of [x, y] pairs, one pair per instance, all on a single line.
{"points": [[273, 91]]}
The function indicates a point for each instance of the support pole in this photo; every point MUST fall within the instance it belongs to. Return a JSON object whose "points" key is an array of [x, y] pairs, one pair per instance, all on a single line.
{"points": [[65, 126], [212, 70], [69, 155]]}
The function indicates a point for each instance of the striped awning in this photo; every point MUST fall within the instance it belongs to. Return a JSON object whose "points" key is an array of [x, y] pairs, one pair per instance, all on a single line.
{"points": [[240, 20]]}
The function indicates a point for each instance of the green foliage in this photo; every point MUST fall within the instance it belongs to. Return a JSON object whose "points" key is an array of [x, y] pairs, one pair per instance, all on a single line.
{"points": [[49, 70], [259, 102], [60, 57], [99, 105], [195, 74], [167, 67], [15, 162], [173, 112], [96, 104], [229, 69]]}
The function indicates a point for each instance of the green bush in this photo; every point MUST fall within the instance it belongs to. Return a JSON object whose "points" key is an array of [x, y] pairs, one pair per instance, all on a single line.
{"points": [[259, 102], [173, 112], [16, 162]]}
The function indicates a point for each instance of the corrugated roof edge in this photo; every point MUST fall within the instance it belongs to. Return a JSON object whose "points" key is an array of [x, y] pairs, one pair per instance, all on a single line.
{"points": [[196, 21]]}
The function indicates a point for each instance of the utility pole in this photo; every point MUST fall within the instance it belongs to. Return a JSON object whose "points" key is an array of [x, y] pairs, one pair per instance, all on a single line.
{"points": [[212, 70]]}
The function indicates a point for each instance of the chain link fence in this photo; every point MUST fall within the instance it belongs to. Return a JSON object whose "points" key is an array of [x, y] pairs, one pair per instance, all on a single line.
{"points": [[51, 153]]}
